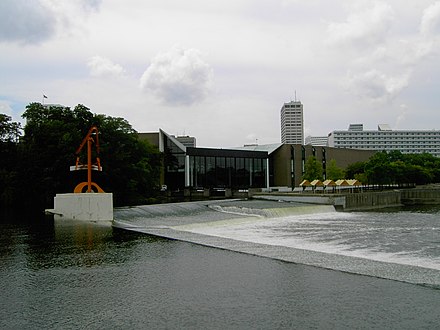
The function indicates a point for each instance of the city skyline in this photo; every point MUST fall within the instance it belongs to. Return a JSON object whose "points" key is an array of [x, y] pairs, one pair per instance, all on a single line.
{"points": [[221, 71]]}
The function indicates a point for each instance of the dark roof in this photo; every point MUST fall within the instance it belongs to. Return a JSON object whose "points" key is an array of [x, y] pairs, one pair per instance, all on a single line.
{"points": [[225, 153]]}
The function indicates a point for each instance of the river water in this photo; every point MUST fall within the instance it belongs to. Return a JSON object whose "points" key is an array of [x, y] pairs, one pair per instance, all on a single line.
{"points": [[77, 275]]}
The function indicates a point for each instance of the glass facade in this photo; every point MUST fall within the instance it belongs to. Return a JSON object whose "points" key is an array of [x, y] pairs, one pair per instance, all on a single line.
{"points": [[174, 164], [227, 172], [213, 168]]}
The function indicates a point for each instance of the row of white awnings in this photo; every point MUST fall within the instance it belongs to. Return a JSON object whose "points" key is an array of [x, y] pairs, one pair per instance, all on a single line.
{"points": [[330, 183]]}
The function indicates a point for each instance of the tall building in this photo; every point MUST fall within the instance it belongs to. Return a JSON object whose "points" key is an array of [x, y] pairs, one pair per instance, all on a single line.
{"points": [[405, 141], [292, 123]]}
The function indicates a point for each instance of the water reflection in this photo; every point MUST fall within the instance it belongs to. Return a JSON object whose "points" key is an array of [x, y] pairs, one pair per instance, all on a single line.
{"points": [[43, 243]]}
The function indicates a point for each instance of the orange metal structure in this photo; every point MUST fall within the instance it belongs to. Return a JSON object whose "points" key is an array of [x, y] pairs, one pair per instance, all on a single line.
{"points": [[93, 131]]}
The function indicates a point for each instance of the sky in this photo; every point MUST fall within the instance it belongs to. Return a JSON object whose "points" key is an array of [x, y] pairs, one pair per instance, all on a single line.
{"points": [[221, 70]]}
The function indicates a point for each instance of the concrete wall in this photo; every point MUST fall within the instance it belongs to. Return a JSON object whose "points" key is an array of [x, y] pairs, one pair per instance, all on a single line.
{"points": [[421, 196], [364, 200], [86, 206], [372, 200], [152, 138], [281, 166], [345, 157]]}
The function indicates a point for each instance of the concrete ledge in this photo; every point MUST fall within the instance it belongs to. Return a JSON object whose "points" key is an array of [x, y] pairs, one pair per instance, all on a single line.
{"points": [[362, 200], [86, 206]]}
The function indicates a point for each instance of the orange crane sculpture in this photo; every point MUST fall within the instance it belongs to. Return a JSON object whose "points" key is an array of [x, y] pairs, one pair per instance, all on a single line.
{"points": [[93, 131]]}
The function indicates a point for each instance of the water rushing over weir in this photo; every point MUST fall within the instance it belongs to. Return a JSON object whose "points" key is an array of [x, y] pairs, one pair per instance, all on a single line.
{"points": [[399, 244]]}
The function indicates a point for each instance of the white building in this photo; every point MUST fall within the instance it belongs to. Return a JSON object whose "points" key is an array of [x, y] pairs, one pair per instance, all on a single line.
{"points": [[292, 123], [187, 141], [405, 141], [317, 141]]}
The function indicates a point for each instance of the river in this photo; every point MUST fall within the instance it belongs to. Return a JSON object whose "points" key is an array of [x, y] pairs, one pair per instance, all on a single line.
{"points": [[77, 275]]}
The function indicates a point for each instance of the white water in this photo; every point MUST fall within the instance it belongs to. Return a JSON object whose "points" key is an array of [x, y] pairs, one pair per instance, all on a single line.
{"points": [[401, 245], [332, 232]]}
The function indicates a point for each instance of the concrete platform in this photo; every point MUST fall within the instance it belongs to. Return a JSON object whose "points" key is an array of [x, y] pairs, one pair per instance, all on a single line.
{"points": [[85, 207]]}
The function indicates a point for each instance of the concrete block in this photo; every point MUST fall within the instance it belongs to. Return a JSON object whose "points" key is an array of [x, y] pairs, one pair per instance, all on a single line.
{"points": [[85, 206]]}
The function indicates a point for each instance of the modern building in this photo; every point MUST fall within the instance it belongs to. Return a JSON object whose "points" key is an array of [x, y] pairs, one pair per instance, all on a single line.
{"points": [[187, 141], [208, 167], [252, 166], [386, 139], [317, 141], [287, 161], [292, 123]]}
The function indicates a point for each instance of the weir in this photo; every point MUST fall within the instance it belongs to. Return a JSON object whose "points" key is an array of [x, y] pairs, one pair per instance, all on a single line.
{"points": [[204, 222]]}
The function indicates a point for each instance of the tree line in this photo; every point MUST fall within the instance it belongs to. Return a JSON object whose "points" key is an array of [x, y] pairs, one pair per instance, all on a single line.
{"points": [[35, 160], [382, 168]]}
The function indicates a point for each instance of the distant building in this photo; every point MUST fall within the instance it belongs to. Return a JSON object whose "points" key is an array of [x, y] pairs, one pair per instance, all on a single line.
{"points": [[317, 141], [187, 141], [405, 141], [292, 123]]}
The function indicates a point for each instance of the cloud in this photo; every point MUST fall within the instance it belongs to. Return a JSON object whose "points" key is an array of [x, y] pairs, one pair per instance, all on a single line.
{"points": [[430, 23], [179, 76], [381, 61], [5, 108], [376, 85], [402, 115], [103, 67], [36, 21], [367, 27], [28, 22]]}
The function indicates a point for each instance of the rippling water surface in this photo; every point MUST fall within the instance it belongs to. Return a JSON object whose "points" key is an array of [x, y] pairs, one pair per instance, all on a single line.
{"points": [[87, 276], [404, 236]]}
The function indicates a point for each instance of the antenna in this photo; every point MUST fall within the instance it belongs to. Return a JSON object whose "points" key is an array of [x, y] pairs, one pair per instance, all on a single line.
{"points": [[295, 95]]}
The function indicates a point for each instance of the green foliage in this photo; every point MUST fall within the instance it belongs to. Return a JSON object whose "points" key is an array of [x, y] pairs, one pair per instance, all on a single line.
{"points": [[361, 177], [9, 135], [38, 166], [355, 169], [333, 171], [131, 167], [312, 169], [9, 131], [395, 167]]}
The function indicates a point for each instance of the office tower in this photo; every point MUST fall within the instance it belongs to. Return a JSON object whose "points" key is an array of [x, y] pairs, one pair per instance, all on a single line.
{"points": [[292, 123]]}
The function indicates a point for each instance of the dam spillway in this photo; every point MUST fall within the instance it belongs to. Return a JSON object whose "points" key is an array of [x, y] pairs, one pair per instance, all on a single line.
{"points": [[310, 234]]}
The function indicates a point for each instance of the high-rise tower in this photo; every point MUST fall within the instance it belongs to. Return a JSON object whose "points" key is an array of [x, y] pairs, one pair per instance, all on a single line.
{"points": [[292, 123]]}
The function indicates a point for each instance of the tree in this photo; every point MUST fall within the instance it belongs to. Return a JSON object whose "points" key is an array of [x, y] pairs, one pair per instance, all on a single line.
{"points": [[333, 171], [395, 167], [354, 169], [312, 169], [132, 167], [9, 136], [379, 170], [53, 134], [9, 131]]}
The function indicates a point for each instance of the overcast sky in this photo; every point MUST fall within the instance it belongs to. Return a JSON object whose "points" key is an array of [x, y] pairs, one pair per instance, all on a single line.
{"points": [[221, 70]]}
